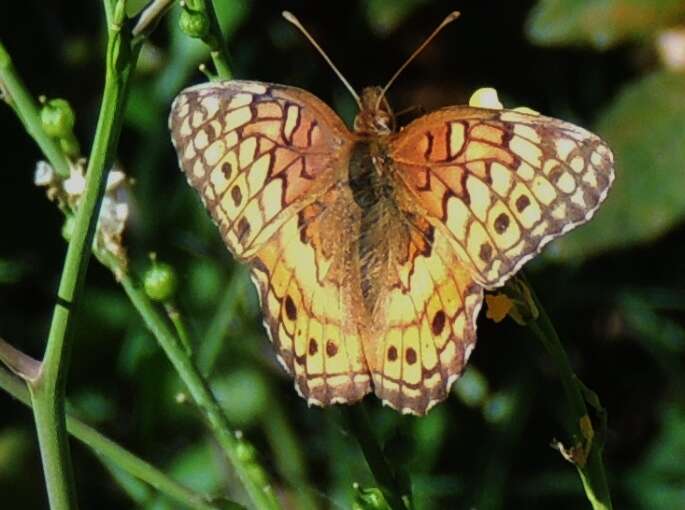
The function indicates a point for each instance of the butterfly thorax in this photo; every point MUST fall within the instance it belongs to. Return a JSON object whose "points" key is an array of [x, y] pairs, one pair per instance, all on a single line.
{"points": [[375, 118]]}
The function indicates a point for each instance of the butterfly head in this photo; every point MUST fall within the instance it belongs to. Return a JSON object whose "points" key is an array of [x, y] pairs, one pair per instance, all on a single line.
{"points": [[375, 116]]}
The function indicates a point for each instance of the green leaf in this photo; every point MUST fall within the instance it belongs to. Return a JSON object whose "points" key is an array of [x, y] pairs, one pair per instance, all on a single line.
{"points": [[600, 23], [369, 499], [645, 127]]}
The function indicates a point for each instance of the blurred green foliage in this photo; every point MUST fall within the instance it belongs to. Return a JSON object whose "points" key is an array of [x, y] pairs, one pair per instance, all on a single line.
{"points": [[615, 289], [601, 23], [644, 127]]}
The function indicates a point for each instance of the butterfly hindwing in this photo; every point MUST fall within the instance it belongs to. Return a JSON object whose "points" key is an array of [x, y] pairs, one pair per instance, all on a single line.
{"points": [[428, 313], [308, 300]]}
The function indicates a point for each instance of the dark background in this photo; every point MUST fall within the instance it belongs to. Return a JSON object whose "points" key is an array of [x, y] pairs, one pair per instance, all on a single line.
{"points": [[617, 300]]}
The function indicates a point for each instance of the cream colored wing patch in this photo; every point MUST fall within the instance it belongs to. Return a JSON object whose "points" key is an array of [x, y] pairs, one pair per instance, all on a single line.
{"points": [[428, 317], [310, 305]]}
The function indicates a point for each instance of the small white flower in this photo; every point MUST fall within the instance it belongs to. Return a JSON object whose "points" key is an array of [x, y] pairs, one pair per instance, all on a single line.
{"points": [[44, 174], [114, 211], [75, 184], [671, 48], [115, 179], [485, 97]]}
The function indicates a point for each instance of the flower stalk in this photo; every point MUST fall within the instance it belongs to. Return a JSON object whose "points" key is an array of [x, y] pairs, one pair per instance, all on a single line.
{"points": [[586, 450]]}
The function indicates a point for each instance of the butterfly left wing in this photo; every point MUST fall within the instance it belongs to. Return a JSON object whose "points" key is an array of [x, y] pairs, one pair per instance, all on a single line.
{"points": [[266, 160], [500, 183]]}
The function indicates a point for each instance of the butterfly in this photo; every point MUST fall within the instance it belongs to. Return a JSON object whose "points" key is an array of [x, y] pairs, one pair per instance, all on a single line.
{"points": [[371, 248]]}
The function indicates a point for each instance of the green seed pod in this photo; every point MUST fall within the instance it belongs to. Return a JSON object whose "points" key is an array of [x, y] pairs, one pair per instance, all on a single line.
{"points": [[68, 227], [160, 282], [70, 146], [194, 23], [57, 118], [246, 452]]}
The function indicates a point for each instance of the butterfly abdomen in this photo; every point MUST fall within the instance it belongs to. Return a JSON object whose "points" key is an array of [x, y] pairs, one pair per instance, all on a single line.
{"points": [[381, 224]]}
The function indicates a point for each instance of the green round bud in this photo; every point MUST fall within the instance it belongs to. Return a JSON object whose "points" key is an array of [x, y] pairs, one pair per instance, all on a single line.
{"points": [[257, 475], [245, 452], [194, 23], [160, 282], [57, 118]]}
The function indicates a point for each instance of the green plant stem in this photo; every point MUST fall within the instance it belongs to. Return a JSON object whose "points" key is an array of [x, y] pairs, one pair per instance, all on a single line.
{"points": [[358, 423], [114, 453], [217, 44], [47, 391], [262, 498], [592, 473], [180, 326], [26, 108]]}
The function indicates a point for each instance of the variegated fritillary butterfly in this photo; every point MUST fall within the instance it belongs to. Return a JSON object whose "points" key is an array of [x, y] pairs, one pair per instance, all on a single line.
{"points": [[371, 249]]}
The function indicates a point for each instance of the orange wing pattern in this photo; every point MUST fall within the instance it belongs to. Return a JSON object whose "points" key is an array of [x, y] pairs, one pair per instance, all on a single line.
{"points": [[306, 286], [501, 183], [427, 322], [371, 253], [262, 157], [257, 153]]}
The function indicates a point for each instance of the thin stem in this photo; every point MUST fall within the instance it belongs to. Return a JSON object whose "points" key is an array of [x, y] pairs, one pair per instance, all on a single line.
{"points": [[214, 38], [17, 96], [115, 453], [180, 326], [358, 424], [217, 46], [262, 497], [21, 364], [47, 391], [591, 471]]}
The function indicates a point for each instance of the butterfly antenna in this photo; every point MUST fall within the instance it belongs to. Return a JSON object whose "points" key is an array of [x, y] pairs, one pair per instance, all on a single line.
{"points": [[449, 19], [292, 19]]}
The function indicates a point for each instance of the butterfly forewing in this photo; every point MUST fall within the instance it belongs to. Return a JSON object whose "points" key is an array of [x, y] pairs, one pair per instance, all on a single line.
{"points": [[257, 153], [503, 183]]}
